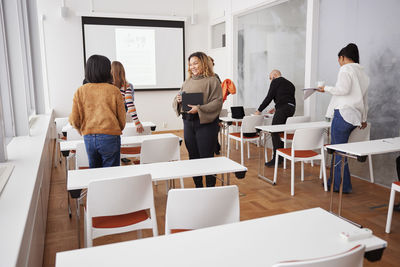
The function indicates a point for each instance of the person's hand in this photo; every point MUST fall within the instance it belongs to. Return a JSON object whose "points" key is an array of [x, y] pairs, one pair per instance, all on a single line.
{"points": [[257, 113], [363, 125], [194, 109], [321, 89], [179, 98], [271, 111], [139, 128]]}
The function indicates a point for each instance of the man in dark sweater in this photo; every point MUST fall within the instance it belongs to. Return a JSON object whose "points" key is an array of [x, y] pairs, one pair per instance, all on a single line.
{"points": [[282, 92]]}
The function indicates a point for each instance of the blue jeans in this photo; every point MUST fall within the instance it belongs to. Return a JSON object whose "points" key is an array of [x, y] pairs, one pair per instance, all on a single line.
{"points": [[340, 132], [103, 150]]}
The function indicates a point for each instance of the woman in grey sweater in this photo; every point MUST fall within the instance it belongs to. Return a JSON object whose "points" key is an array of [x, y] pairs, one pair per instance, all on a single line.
{"points": [[200, 123]]}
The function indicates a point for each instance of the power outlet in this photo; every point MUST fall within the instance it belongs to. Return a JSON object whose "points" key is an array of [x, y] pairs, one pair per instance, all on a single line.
{"points": [[165, 125]]}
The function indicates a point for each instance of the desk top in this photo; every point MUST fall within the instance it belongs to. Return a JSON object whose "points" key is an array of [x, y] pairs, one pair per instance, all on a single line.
{"points": [[364, 148], [229, 119], [128, 124], [78, 179], [135, 140], [301, 234], [294, 126]]}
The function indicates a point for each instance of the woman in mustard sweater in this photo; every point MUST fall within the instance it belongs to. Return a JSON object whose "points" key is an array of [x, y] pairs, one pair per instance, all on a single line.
{"points": [[98, 113]]}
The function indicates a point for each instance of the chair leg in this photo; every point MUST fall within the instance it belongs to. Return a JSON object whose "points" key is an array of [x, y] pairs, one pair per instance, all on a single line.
{"points": [[139, 234], [292, 177], [182, 184], [371, 169], [276, 167], [302, 171], [323, 168], [284, 159], [248, 150], [312, 163], [390, 211], [241, 153], [229, 147]]}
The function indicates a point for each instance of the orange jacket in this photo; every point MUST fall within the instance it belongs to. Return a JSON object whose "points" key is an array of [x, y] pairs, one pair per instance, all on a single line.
{"points": [[228, 87]]}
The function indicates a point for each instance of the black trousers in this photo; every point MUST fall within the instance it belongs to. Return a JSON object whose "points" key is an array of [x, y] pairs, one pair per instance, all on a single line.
{"points": [[280, 117], [200, 141]]}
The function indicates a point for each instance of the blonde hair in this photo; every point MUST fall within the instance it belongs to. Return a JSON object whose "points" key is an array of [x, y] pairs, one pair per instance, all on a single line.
{"points": [[118, 75], [205, 63]]}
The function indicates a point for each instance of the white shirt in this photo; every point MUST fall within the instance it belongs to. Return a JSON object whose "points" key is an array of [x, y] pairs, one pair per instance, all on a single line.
{"points": [[350, 94]]}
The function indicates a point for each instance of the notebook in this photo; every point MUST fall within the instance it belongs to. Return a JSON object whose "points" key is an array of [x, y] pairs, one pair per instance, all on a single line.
{"points": [[237, 112], [191, 99]]}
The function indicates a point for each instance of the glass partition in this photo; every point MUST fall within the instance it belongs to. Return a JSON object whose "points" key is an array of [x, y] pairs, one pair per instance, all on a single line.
{"points": [[271, 38]]}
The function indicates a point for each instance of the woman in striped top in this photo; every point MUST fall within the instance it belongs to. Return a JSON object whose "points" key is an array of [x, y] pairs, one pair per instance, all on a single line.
{"points": [[119, 80]]}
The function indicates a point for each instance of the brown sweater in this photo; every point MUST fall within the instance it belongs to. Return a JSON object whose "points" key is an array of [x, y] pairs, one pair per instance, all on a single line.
{"points": [[98, 108], [212, 97]]}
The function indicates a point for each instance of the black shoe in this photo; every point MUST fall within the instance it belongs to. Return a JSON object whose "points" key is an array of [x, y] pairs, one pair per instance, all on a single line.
{"points": [[271, 163], [396, 207], [125, 160]]}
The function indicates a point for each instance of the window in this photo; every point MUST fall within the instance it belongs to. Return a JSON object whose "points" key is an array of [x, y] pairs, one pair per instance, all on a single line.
{"points": [[218, 36]]}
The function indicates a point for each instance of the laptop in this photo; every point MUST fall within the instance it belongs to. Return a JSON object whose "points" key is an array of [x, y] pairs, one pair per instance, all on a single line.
{"points": [[237, 112], [191, 99]]}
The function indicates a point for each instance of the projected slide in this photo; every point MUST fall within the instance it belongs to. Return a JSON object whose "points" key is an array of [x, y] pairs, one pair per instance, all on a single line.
{"points": [[151, 51], [136, 49]]}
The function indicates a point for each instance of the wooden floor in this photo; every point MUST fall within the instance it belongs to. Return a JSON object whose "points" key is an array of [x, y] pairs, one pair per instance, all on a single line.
{"points": [[367, 205]]}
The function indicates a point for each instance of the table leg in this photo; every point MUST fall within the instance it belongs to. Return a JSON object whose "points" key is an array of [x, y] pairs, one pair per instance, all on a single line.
{"points": [[341, 186], [332, 180], [261, 162], [78, 221]]}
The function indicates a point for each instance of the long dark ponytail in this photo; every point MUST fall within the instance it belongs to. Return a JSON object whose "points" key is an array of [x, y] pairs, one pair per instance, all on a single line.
{"points": [[350, 51]]}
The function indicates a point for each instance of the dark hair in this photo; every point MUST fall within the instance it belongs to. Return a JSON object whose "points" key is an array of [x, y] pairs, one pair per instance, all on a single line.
{"points": [[351, 52], [98, 69]]}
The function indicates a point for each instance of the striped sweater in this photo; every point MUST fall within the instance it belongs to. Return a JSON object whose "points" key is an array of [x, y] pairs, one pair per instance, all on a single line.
{"points": [[128, 95]]}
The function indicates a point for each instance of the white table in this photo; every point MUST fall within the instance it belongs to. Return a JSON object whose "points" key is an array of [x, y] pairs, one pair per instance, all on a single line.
{"points": [[128, 124], [302, 234], [226, 122], [135, 140], [79, 179], [360, 151], [283, 128]]}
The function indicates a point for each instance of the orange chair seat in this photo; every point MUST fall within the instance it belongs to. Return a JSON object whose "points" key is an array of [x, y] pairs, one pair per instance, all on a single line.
{"points": [[119, 220], [130, 150], [84, 168], [288, 136], [397, 183], [237, 123], [244, 137], [174, 231], [298, 153]]}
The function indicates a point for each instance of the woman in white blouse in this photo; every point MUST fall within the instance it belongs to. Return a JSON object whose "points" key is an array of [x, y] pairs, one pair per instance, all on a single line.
{"points": [[348, 107]]}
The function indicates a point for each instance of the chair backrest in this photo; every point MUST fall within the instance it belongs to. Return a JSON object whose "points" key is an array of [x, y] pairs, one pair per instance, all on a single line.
{"points": [[250, 122], [358, 135], [160, 150], [117, 196], [196, 208], [131, 131], [298, 119], [223, 113], [308, 139], [81, 157], [73, 134], [249, 111], [60, 123], [351, 258]]}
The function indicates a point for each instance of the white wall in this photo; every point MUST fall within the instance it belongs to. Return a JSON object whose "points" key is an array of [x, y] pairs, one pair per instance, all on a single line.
{"points": [[64, 50]]}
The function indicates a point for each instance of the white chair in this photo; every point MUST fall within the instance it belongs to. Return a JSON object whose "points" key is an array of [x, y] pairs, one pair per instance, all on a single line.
{"points": [[249, 111], [247, 134], [395, 188], [73, 134], [81, 157], [161, 150], [223, 113], [119, 205], [132, 151], [195, 208], [287, 136], [358, 135], [351, 258], [305, 141]]}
